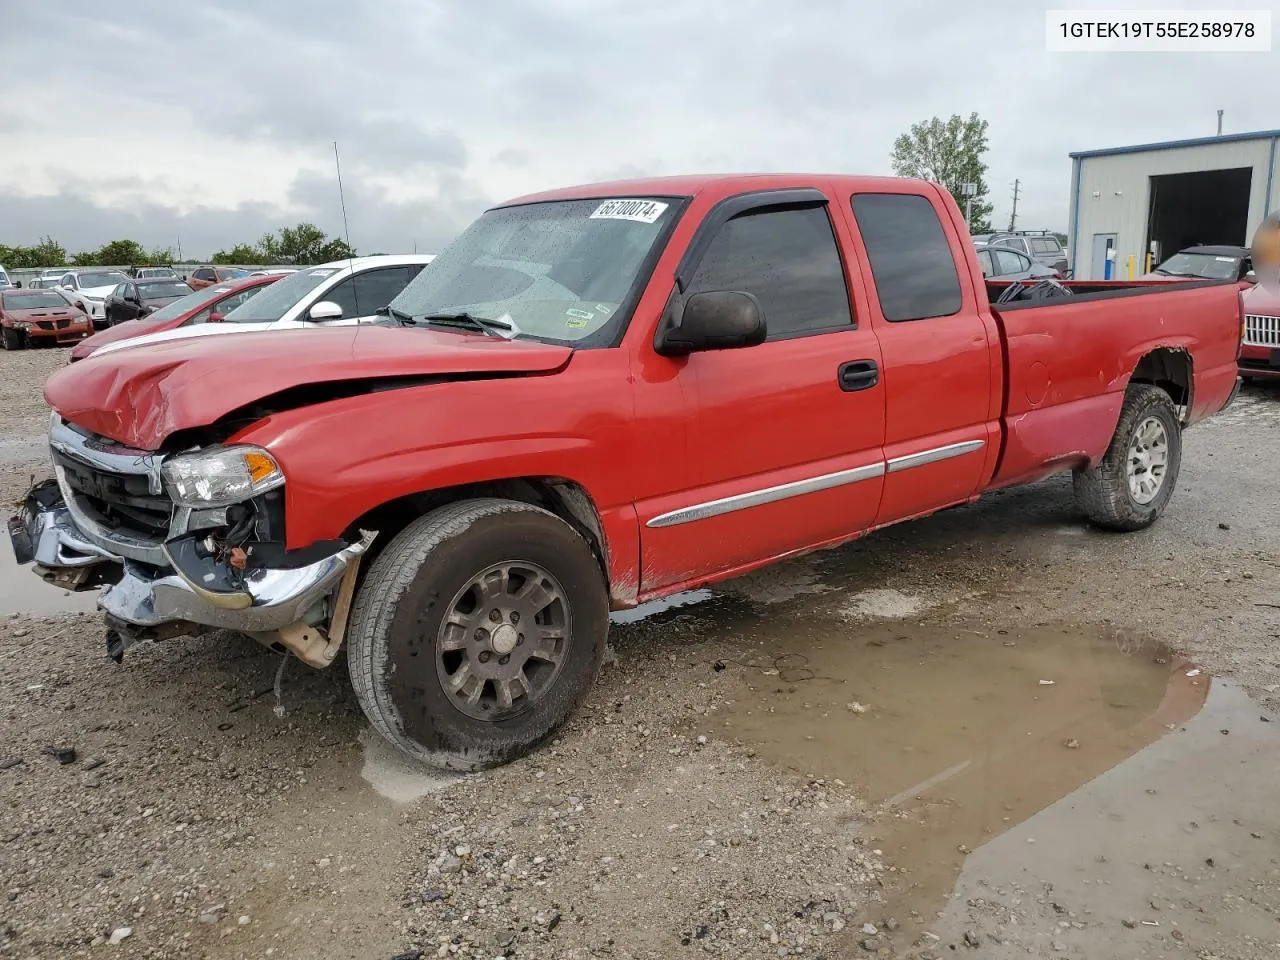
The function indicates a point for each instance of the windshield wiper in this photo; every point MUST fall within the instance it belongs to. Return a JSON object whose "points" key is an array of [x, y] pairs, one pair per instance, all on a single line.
{"points": [[469, 321], [406, 320]]}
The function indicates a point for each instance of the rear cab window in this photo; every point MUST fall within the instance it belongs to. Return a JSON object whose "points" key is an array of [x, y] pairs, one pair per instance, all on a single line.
{"points": [[912, 262], [1047, 245]]}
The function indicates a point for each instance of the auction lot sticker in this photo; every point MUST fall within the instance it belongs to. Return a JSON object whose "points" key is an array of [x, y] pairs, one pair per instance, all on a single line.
{"points": [[641, 211]]}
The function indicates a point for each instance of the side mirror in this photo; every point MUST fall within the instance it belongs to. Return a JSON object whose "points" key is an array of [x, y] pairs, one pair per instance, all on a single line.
{"points": [[325, 310], [18, 284], [715, 320], [216, 317], [1251, 277]]}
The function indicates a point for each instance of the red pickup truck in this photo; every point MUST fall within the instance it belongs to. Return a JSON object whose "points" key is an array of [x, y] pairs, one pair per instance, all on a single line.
{"points": [[596, 397]]}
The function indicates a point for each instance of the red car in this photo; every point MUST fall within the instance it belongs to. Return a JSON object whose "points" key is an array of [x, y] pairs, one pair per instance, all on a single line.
{"points": [[209, 304], [1260, 352], [596, 397], [203, 277], [28, 317]]}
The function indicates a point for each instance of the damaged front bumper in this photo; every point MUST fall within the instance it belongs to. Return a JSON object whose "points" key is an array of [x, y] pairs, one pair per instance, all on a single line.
{"points": [[157, 588]]}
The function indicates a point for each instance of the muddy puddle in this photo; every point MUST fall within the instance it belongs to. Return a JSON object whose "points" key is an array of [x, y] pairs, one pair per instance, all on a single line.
{"points": [[22, 592], [953, 732]]}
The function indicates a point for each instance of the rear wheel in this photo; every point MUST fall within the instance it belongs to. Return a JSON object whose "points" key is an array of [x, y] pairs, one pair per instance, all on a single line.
{"points": [[1132, 484], [476, 632], [13, 339]]}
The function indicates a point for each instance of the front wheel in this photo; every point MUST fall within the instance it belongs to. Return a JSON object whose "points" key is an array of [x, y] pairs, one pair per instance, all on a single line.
{"points": [[1130, 487], [13, 339], [476, 632]]}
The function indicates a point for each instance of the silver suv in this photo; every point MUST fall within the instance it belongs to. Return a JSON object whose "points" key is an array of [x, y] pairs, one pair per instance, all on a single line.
{"points": [[1039, 245]]}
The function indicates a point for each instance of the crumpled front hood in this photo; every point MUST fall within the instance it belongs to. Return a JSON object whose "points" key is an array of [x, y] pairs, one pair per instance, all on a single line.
{"points": [[141, 396]]}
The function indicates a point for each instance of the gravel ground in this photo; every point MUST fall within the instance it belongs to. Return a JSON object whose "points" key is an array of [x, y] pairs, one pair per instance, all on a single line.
{"points": [[205, 816]]}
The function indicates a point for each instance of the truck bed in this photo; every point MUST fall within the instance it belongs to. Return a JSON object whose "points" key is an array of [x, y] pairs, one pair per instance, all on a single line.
{"points": [[1068, 360]]}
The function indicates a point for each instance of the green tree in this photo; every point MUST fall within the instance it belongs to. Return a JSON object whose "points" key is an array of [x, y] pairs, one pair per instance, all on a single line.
{"points": [[302, 244], [46, 253], [241, 253], [121, 253], [160, 256], [951, 153], [85, 258], [335, 249]]}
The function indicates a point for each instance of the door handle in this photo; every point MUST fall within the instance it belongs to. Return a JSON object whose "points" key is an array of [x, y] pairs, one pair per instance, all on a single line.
{"points": [[858, 375]]}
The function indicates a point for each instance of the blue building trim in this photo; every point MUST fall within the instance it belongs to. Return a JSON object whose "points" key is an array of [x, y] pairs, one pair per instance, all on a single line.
{"points": [[1074, 216], [1271, 173], [1271, 135]]}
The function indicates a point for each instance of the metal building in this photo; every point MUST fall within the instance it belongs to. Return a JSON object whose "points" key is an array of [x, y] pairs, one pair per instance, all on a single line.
{"points": [[1149, 201]]}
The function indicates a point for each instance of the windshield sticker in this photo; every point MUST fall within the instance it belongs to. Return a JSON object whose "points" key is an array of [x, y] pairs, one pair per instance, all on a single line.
{"points": [[602, 309], [320, 273], [1225, 259], [641, 211], [580, 314]]}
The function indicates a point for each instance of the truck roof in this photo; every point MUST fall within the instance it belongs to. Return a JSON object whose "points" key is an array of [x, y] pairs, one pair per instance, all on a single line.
{"points": [[693, 185]]}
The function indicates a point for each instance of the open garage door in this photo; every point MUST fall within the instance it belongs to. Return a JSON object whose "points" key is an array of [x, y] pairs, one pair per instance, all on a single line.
{"points": [[1211, 206]]}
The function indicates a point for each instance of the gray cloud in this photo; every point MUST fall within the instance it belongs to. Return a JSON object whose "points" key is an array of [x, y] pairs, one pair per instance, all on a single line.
{"points": [[441, 107], [378, 224]]}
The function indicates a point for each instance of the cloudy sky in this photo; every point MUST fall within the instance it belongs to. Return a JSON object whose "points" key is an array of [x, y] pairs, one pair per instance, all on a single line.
{"points": [[213, 120]]}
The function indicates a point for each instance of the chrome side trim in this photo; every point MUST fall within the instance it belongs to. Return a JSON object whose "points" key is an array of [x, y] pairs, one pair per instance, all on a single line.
{"points": [[933, 456], [756, 498]]}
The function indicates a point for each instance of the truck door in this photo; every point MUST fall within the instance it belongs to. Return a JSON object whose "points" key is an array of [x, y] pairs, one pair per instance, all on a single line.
{"points": [[785, 437], [941, 355]]}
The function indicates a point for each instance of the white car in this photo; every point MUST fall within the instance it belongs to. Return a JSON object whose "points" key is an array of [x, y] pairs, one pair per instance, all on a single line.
{"points": [[89, 290], [341, 293], [4, 279]]}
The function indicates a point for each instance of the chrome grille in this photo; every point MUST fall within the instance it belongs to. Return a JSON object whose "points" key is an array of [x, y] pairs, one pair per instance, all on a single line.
{"points": [[1261, 331]]}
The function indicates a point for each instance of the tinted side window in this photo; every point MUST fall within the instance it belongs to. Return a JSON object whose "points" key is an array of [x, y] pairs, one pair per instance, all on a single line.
{"points": [[366, 293], [1011, 262], [204, 274], [788, 259], [914, 269]]}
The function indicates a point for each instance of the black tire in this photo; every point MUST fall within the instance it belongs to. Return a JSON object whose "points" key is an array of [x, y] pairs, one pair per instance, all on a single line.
{"points": [[395, 641], [1104, 492], [13, 339]]}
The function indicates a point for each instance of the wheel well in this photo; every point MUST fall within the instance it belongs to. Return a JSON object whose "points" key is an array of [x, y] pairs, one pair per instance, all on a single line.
{"points": [[1169, 369], [565, 498]]}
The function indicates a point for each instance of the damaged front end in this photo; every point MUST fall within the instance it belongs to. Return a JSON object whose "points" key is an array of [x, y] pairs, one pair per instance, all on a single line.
{"points": [[183, 544]]}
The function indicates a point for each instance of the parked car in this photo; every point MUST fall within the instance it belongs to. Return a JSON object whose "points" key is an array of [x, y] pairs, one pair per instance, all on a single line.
{"points": [[28, 317], [341, 293], [154, 273], [44, 283], [206, 276], [1213, 262], [1260, 351], [1040, 245], [1001, 263], [137, 298], [593, 399], [90, 289], [202, 306]]}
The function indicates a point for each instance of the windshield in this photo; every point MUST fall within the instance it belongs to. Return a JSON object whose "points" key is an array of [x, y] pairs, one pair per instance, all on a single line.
{"points": [[274, 302], [33, 301], [161, 290], [556, 271], [107, 279], [1204, 265], [156, 272], [193, 301]]}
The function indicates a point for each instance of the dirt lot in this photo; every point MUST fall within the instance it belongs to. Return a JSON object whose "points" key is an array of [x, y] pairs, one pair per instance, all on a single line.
{"points": [[994, 732]]}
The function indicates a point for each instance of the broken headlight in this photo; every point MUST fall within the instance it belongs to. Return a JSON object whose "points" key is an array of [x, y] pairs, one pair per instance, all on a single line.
{"points": [[220, 476]]}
